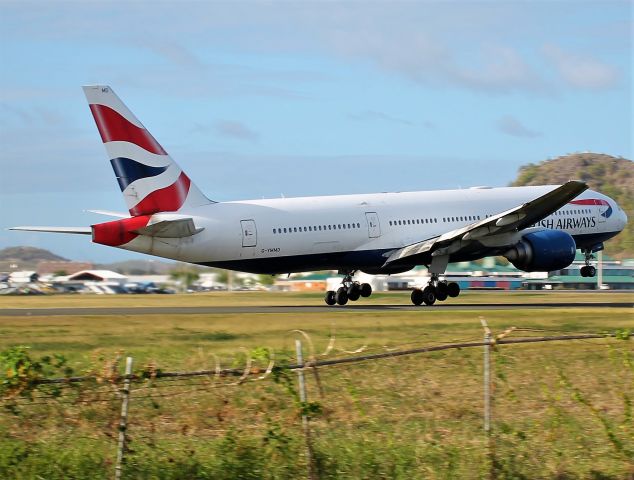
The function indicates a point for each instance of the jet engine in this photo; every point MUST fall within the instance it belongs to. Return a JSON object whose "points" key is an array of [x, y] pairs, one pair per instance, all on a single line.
{"points": [[543, 251]]}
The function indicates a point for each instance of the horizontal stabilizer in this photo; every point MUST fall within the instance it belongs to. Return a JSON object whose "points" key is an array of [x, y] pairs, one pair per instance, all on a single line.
{"points": [[183, 227], [109, 213], [75, 230]]}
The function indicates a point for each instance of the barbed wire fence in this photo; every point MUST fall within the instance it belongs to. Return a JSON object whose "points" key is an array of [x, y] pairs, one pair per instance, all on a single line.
{"points": [[153, 383]]}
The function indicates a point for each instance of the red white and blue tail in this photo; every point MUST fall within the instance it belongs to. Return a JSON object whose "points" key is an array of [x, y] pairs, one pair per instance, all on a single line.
{"points": [[150, 180]]}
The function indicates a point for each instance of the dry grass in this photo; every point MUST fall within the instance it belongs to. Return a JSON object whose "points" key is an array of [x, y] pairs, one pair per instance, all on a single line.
{"points": [[561, 410], [287, 298]]}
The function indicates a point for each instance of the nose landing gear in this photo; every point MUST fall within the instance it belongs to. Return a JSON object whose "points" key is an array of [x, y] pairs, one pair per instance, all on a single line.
{"points": [[588, 270], [349, 290]]}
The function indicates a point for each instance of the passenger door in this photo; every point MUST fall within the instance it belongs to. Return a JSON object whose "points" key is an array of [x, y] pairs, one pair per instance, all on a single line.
{"points": [[249, 233], [374, 228]]}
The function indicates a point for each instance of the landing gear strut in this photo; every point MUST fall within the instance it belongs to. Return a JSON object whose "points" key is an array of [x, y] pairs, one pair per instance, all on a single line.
{"points": [[435, 290], [588, 270], [349, 290]]}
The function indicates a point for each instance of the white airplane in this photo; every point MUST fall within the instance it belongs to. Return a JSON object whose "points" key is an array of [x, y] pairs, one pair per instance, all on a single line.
{"points": [[537, 228]]}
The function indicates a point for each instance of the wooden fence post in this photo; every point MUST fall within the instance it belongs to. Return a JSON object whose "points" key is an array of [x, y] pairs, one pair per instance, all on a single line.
{"points": [[487, 377], [303, 399], [123, 422]]}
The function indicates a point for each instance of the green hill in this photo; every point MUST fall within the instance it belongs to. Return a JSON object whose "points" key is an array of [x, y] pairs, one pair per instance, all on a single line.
{"points": [[26, 258], [609, 175]]}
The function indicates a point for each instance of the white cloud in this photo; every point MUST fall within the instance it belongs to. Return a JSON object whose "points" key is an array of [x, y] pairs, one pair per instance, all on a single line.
{"points": [[581, 71], [373, 115], [512, 126], [237, 130], [479, 46]]}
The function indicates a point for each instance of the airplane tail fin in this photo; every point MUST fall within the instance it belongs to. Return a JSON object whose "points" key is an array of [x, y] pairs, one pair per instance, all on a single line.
{"points": [[149, 179]]}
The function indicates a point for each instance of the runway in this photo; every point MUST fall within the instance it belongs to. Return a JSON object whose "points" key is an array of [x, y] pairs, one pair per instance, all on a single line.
{"points": [[211, 310]]}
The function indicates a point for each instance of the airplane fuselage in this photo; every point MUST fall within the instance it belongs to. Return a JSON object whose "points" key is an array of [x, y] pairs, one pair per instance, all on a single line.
{"points": [[355, 232]]}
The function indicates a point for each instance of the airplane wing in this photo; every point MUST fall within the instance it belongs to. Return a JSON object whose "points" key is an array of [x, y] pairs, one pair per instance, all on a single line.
{"points": [[512, 220], [76, 230]]}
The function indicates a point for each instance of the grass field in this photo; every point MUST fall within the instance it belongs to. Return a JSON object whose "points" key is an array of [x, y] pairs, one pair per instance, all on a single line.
{"points": [[288, 298], [561, 410]]}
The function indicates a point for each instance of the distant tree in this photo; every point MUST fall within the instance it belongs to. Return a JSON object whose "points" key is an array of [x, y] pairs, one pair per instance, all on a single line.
{"points": [[60, 273], [185, 277], [222, 276], [266, 280]]}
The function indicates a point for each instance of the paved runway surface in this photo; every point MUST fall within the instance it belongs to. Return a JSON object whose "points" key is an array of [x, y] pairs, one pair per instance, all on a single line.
{"points": [[24, 312]]}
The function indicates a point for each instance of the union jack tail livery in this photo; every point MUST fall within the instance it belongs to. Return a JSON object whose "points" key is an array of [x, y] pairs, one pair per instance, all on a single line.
{"points": [[149, 179]]}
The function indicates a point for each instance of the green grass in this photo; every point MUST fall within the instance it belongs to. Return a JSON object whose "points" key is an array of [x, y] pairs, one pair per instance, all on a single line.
{"points": [[561, 410]]}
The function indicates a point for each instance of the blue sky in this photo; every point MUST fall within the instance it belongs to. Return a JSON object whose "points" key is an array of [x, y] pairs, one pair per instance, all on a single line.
{"points": [[260, 99]]}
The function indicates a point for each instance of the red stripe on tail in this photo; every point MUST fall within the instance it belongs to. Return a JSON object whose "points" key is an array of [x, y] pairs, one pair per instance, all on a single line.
{"points": [[114, 127], [168, 199], [118, 232]]}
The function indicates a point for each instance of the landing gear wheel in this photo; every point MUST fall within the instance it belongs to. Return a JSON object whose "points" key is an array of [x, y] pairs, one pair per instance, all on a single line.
{"points": [[429, 297], [330, 298], [366, 290], [589, 270], [441, 294], [341, 297], [354, 292], [417, 296], [453, 289]]}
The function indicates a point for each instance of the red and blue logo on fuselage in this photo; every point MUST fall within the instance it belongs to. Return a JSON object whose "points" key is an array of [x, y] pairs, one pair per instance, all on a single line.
{"points": [[596, 201]]}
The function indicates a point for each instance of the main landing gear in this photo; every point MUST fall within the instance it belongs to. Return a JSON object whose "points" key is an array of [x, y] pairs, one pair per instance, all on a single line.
{"points": [[349, 290], [588, 270], [435, 290]]}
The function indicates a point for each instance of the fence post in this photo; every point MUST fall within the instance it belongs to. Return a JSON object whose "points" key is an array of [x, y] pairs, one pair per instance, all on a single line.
{"points": [[303, 400], [487, 377], [123, 422], [488, 341]]}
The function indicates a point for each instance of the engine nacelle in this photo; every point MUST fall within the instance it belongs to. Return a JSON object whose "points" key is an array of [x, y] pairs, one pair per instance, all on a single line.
{"points": [[543, 251]]}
